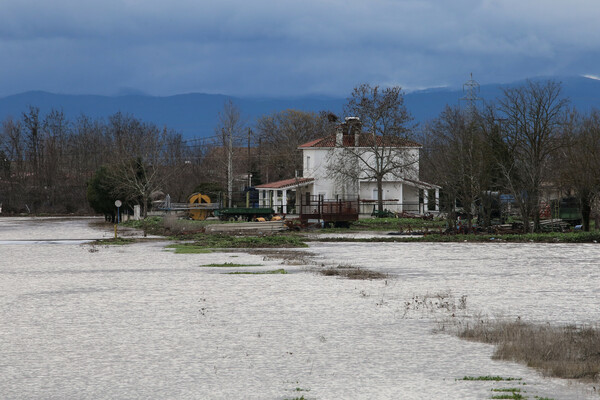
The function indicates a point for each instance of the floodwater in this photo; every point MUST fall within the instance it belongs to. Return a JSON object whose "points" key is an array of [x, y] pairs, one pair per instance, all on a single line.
{"points": [[84, 321]]}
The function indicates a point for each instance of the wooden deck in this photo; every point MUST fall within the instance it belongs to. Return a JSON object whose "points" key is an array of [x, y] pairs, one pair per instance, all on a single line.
{"points": [[329, 211]]}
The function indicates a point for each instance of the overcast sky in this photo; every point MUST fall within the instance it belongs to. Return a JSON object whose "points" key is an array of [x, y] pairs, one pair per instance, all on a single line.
{"points": [[274, 48]]}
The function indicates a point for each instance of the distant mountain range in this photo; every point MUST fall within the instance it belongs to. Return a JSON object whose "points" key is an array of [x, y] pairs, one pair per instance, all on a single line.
{"points": [[195, 114]]}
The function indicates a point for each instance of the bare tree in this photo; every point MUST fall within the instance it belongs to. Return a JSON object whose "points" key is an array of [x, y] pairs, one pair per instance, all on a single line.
{"points": [[54, 176], [532, 129], [31, 124], [183, 158], [460, 159], [12, 150], [90, 146], [579, 162], [144, 172], [383, 151], [280, 135], [47, 161]]}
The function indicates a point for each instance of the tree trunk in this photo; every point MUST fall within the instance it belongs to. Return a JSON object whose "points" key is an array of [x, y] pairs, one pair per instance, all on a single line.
{"points": [[536, 214], [380, 194], [144, 207], [469, 222], [525, 218], [586, 210]]}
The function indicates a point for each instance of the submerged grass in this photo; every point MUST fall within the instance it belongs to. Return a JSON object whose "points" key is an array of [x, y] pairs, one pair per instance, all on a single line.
{"points": [[508, 393], [169, 225], [209, 243], [188, 249], [115, 242], [204, 241], [152, 225], [565, 352], [227, 264], [391, 224], [514, 396], [489, 378], [275, 271], [352, 273]]}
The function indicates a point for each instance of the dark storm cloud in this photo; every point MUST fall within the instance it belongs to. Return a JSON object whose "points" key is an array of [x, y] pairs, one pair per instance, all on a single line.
{"points": [[284, 47]]}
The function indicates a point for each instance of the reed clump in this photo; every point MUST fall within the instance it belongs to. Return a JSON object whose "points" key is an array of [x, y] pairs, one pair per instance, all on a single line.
{"points": [[569, 352], [353, 273]]}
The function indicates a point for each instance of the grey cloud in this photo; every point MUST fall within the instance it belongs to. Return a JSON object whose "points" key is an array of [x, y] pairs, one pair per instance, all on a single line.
{"points": [[284, 47]]}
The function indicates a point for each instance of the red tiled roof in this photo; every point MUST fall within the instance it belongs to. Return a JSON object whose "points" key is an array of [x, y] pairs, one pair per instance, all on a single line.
{"points": [[312, 143], [285, 183], [365, 140]]}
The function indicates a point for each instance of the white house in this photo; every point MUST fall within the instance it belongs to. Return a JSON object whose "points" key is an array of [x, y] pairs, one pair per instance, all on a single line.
{"points": [[338, 167]]}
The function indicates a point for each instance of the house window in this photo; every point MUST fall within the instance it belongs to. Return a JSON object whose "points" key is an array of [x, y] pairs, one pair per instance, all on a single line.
{"points": [[375, 194], [307, 162]]}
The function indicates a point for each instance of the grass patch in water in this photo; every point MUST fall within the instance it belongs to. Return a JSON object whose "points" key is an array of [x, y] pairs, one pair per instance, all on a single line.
{"points": [[508, 393], [152, 225], [352, 273], [169, 225], [514, 396], [208, 241], [181, 248], [275, 271], [393, 224], [489, 378], [114, 242], [227, 264]]}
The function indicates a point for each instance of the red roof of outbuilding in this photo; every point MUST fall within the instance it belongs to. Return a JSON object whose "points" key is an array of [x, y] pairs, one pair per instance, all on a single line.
{"points": [[285, 183]]}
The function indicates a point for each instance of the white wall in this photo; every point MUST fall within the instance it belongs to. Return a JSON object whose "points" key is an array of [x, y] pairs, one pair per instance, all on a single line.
{"points": [[315, 165], [408, 158], [317, 169]]}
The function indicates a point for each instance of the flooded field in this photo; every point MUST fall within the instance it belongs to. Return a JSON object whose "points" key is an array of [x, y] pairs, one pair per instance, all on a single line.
{"points": [[138, 321]]}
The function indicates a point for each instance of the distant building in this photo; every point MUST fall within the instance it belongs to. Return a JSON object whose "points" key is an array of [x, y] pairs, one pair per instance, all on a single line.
{"points": [[402, 190]]}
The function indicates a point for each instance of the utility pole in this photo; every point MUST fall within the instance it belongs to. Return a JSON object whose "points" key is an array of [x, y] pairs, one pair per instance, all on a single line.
{"points": [[249, 165], [229, 168]]}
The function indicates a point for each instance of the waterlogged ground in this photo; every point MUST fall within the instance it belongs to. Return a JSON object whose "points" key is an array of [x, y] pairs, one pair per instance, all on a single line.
{"points": [[138, 321]]}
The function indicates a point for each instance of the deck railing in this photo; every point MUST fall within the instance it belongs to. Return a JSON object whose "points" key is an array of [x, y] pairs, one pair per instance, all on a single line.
{"points": [[316, 207]]}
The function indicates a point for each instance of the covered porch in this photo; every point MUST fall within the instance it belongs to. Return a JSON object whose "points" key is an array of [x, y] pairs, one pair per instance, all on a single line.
{"points": [[402, 196], [282, 195]]}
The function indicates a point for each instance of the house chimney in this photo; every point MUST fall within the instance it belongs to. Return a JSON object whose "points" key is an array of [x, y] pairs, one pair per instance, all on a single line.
{"points": [[339, 135], [354, 126]]}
